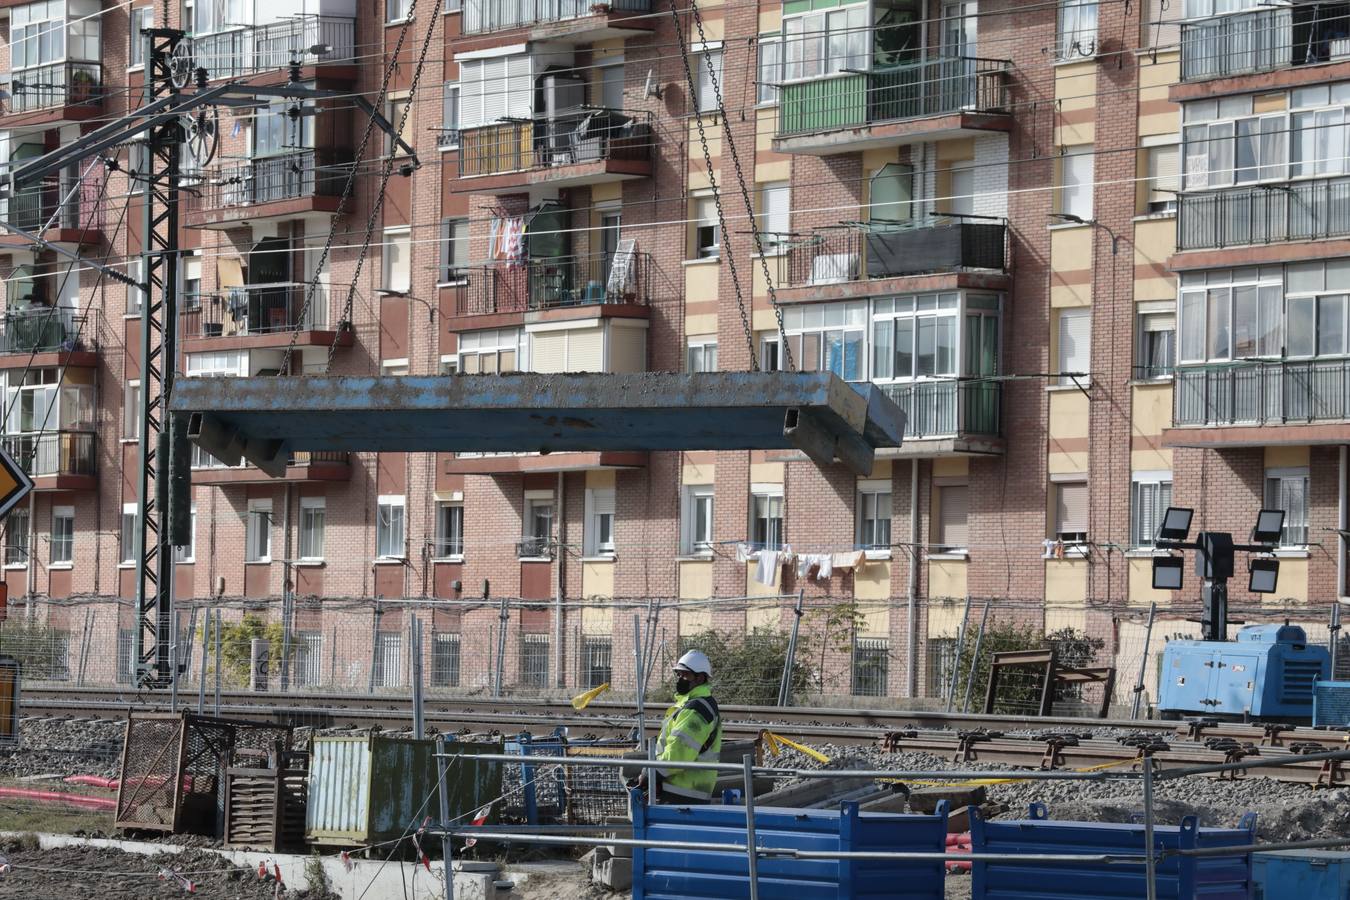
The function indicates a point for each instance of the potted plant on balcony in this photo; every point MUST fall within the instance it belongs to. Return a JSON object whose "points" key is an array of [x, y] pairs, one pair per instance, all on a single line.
{"points": [[83, 86], [600, 9]]}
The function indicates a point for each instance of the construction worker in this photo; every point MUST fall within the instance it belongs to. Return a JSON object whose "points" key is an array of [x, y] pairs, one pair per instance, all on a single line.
{"points": [[692, 731]]}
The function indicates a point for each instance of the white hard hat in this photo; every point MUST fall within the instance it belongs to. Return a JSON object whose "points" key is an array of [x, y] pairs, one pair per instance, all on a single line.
{"points": [[695, 661]]}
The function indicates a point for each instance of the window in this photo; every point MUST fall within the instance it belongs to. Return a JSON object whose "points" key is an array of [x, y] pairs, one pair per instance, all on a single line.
{"points": [[1075, 330], [774, 215], [769, 353], [389, 542], [313, 511], [599, 536], [448, 137], [697, 516], [131, 411], [871, 666], [388, 659], [823, 43], [492, 350], [445, 659], [1150, 495], [1164, 178], [449, 530], [705, 97], [953, 506], [1287, 489], [135, 270], [192, 281], [537, 537], [597, 665], [611, 86], [912, 337], [308, 668], [707, 230], [258, 532], [16, 536], [874, 516], [395, 10], [1236, 315], [766, 518], [1077, 29], [1157, 345], [129, 535], [702, 355], [186, 553], [454, 250], [397, 260], [829, 337], [398, 110], [770, 68], [1071, 512], [1074, 197], [63, 535], [941, 663], [500, 87], [891, 194], [534, 660], [140, 19]]}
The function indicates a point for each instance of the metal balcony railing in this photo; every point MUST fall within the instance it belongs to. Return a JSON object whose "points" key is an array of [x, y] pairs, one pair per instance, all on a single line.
{"points": [[203, 460], [852, 252], [947, 407], [62, 84], [499, 15], [45, 330], [52, 452], [927, 88], [1262, 393], [255, 309], [70, 200], [1264, 214], [584, 136], [554, 283], [1263, 40], [291, 176], [276, 45]]}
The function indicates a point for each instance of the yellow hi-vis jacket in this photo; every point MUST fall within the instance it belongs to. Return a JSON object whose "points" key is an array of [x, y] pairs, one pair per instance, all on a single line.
{"points": [[692, 731]]}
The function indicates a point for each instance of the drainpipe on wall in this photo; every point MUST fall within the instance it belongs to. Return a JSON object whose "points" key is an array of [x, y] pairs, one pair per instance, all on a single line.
{"points": [[912, 594], [558, 591], [1342, 523]]}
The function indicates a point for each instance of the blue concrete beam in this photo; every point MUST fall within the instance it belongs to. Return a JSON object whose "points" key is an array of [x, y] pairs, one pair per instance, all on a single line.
{"points": [[545, 413]]}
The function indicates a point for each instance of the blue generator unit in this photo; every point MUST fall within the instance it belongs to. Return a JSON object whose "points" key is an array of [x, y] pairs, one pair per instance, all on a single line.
{"points": [[1267, 673], [1301, 875]]}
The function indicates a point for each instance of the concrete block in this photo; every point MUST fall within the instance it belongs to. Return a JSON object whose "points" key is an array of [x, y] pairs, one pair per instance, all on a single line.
{"points": [[616, 874], [623, 852], [475, 886]]}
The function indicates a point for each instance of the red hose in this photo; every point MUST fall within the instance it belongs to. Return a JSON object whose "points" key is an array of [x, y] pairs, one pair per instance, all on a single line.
{"points": [[959, 843], [952, 839], [99, 803], [92, 781]]}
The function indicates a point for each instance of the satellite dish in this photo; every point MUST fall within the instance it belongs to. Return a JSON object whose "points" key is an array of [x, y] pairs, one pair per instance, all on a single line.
{"points": [[651, 91]]}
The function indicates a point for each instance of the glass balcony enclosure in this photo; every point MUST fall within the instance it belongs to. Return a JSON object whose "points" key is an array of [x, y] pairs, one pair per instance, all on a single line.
{"points": [[1239, 37], [55, 48], [499, 15], [49, 423]]}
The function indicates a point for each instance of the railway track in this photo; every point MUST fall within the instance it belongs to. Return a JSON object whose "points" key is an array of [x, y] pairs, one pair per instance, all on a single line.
{"points": [[971, 739]]}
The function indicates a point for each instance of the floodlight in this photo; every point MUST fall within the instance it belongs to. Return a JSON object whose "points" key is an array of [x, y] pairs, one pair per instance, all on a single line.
{"points": [[1269, 524], [1167, 573], [1176, 523], [1265, 573]]}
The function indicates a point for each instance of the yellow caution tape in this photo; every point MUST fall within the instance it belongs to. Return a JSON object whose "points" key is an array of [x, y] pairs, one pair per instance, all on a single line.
{"points": [[581, 701], [974, 782], [772, 741]]}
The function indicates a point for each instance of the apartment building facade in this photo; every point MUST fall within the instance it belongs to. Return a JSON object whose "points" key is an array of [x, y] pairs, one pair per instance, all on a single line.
{"points": [[1091, 248]]}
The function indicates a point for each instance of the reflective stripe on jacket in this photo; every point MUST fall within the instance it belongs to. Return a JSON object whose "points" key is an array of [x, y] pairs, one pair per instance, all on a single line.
{"points": [[692, 731]]}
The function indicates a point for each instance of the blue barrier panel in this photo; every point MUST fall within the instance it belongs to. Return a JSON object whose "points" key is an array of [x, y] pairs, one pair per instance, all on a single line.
{"points": [[1301, 875]]}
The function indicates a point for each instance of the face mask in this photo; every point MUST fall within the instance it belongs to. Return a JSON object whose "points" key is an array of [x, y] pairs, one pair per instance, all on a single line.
{"points": [[683, 685]]}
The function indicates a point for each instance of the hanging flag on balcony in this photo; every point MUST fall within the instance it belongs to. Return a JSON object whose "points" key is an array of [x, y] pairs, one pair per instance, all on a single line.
{"points": [[14, 483]]}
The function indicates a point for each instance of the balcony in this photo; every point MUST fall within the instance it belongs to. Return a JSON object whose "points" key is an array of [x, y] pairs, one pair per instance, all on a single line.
{"points": [[923, 101], [1258, 403], [853, 259], [47, 336], [302, 466], [51, 95], [274, 47], [594, 285], [1265, 40], [561, 20], [950, 410], [55, 460], [269, 189], [67, 208], [1264, 214], [517, 463], [588, 146], [259, 316]]}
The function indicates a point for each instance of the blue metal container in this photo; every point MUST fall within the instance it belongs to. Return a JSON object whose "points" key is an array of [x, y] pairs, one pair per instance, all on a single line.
{"points": [[660, 874], [1267, 672], [1301, 875], [1179, 878], [1331, 704]]}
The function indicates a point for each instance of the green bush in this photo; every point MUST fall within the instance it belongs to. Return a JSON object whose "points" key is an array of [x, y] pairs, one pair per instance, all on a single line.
{"points": [[746, 669], [41, 651], [236, 647]]}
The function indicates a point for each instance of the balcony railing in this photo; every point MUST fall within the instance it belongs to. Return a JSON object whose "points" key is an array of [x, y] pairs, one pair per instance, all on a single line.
{"points": [[255, 309], [556, 283], [1263, 393], [276, 45], [1264, 214], [947, 408], [292, 176], [45, 330], [203, 460], [571, 139], [47, 87], [1263, 40], [499, 15], [70, 200], [928, 88], [854, 253], [52, 452]]}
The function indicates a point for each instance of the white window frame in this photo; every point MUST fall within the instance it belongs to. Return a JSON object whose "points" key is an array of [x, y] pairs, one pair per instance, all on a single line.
{"points": [[67, 513], [871, 492], [1075, 178], [187, 553], [703, 214], [493, 342], [385, 533], [136, 41], [1154, 487], [701, 354], [704, 100], [600, 504], [1299, 518], [447, 136], [1062, 362], [1073, 547], [775, 214], [440, 539], [533, 501], [1076, 37], [308, 507], [135, 271], [127, 553], [690, 514], [767, 493], [131, 410], [258, 532], [393, 239], [766, 87], [1147, 322]]}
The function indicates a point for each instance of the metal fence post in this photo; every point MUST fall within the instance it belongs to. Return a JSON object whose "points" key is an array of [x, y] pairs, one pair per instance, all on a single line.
{"points": [[956, 663], [751, 847], [219, 666], [374, 648], [790, 663], [415, 638], [173, 662], [504, 617], [1143, 663], [1334, 632], [447, 860], [639, 681], [201, 677], [1150, 856], [975, 658]]}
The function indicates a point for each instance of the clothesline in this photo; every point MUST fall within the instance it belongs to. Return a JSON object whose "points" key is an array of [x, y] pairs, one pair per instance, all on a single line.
{"points": [[769, 570]]}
